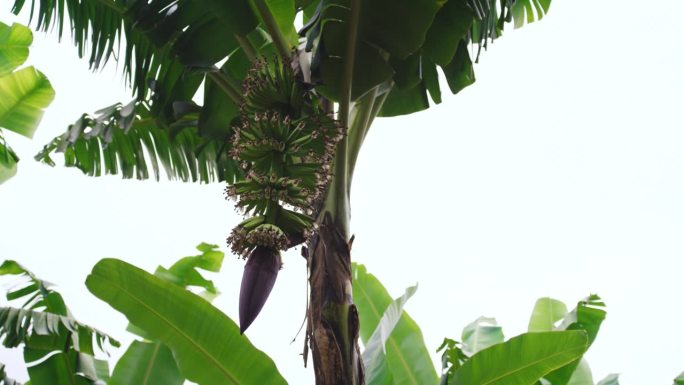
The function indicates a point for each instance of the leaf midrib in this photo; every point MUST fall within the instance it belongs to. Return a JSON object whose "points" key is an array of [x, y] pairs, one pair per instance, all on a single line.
{"points": [[476, 340], [148, 370], [505, 374], [390, 339], [13, 45], [180, 332], [67, 362], [550, 313], [37, 86]]}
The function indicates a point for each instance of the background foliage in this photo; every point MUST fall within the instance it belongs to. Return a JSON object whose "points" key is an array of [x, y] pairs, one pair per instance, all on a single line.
{"points": [[180, 339], [629, 236]]}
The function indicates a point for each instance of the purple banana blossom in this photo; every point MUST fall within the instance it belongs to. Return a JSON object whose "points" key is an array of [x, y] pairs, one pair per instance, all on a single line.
{"points": [[258, 278]]}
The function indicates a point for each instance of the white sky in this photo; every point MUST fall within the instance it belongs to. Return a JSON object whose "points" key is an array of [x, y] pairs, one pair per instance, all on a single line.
{"points": [[559, 173]]}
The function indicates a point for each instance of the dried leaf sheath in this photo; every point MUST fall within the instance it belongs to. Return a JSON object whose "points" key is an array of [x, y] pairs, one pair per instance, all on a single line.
{"points": [[333, 321]]}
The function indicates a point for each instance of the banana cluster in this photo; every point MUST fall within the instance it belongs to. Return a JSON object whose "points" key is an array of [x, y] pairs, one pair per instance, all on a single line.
{"points": [[285, 145]]}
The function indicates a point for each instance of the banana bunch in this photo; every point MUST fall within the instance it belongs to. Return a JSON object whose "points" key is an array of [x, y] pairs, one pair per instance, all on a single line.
{"points": [[285, 145]]}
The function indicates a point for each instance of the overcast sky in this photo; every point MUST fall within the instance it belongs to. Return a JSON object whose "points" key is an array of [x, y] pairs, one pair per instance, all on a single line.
{"points": [[559, 173]]}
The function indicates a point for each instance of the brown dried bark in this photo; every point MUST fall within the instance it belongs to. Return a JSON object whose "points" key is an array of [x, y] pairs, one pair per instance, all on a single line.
{"points": [[333, 321]]}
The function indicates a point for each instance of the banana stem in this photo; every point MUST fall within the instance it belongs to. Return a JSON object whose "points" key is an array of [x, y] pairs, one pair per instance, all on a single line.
{"points": [[337, 201], [337, 198], [247, 47], [361, 118], [272, 27], [229, 85]]}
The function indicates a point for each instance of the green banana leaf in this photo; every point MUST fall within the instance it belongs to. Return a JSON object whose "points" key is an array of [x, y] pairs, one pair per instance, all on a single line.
{"points": [[481, 334], [452, 359], [37, 294], [126, 140], [8, 161], [151, 362], [547, 311], [582, 374], [386, 27], [206, 343], [680, 379], [522, 360], [146, 363], [24, 94], [375, 363], [407, 357], [57, 348], [64, 368], [611, 379], [284, 12], [14, 46], [587, 316], [522, 11], [48, 330], [184, 272]]}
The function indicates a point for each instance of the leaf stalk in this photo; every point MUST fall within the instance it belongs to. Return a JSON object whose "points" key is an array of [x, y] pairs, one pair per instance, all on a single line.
{"points": [[337, 201], [227, 84], [247, 47], [272, 27], [361, 120]]}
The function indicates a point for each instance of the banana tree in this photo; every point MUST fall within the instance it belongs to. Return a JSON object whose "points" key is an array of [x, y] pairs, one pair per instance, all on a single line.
{"points": [[286, 107]]}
